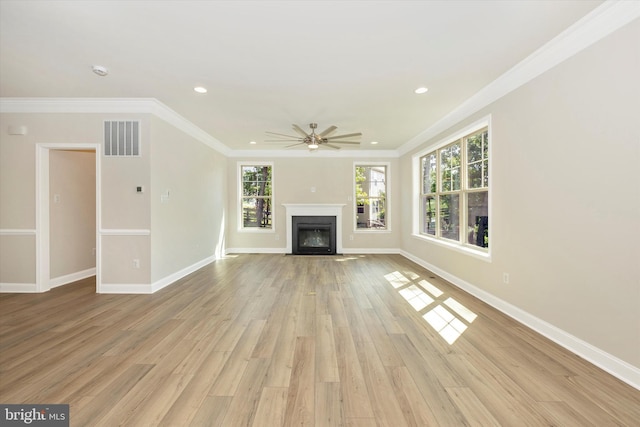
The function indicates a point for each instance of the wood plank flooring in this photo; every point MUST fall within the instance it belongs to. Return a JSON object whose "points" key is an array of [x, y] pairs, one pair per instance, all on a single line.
{"points": [[273, 340]]}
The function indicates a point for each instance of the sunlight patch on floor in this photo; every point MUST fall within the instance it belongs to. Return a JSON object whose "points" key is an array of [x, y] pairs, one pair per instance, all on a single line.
{"points": [[416, 297], [430, 288], [461, 310], [445, 323], [397, 279], [420, 294], [347, 258]]}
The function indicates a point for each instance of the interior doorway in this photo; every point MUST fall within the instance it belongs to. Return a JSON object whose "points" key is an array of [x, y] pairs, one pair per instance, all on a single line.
{"points": [[44, 202]]}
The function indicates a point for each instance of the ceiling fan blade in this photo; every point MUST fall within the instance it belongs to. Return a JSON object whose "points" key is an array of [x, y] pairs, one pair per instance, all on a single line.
{"points": [[348, 135], [278, 140], [300, 131], [282, 134], [332, 146], [344, 142], [299, 143], [327, 131]]}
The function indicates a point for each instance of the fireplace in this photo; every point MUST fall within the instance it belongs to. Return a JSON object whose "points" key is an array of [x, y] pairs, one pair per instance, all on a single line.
{"points": [[313, 235], [314, 210]]}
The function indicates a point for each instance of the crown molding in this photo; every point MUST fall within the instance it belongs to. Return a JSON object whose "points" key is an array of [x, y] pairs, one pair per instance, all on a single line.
{"points": [[112, 106], [602, 21], [160, 110]]}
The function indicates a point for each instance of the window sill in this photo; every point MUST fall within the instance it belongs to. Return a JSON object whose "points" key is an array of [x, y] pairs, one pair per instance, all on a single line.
{"points": [[257, 230], [481, 255], [372, 231]]}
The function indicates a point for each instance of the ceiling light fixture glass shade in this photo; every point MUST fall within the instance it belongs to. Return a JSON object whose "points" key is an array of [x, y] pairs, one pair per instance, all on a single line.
{"points": [[312, 146], [200, 89], [100, 70], [421, 90]]}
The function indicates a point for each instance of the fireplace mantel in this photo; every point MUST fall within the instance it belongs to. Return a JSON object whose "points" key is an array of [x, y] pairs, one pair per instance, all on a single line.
{"points": [[315, 209]]}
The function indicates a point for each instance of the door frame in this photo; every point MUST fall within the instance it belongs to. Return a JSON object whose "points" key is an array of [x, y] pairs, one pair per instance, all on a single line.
{"points": [[43, 267]]}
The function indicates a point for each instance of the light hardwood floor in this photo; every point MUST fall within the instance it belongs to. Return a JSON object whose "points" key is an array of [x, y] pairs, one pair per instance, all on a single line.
{"points": [[273, 340]]}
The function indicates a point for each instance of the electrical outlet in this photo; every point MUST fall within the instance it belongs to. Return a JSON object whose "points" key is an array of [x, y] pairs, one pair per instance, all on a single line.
{"points": [[350, 236], [505, 278], [136, 263], [277, 237]]}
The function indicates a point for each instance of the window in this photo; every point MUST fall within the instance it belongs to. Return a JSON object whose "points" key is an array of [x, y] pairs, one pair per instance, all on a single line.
{"points": [[256, 197], [454, 190], [371, 196]]}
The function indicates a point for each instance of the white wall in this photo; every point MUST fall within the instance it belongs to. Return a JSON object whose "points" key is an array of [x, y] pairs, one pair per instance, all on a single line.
{"points": [[187, 226], [183, 233], [121, 207], [565, 196], [332, 179]]}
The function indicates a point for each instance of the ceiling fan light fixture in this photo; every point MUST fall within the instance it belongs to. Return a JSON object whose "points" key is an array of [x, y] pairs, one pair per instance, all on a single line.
{"points": [[312, 146], [100, 70]]}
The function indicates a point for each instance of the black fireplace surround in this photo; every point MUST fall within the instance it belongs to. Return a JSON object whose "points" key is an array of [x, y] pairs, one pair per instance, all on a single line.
{"points": [[313, 235]]}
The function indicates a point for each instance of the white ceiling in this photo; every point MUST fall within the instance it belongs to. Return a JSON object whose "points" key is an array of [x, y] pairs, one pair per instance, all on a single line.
{"points": [[269, 64]]}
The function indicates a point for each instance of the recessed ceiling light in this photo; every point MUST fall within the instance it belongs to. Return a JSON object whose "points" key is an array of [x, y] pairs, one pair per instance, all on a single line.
{"points": [[374, 142], [100, 70], [200, 89], [252, 142], [421, 90]]}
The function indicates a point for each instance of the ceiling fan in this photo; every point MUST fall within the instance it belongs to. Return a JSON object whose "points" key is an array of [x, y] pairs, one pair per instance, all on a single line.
{"points": [[314, 140]]}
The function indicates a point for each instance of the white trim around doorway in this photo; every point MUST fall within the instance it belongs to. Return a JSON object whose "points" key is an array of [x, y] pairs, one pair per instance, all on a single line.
{"points": [[43, 267]]}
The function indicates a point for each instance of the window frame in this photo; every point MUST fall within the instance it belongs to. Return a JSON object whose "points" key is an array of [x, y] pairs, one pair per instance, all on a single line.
{"points": [[387, 186], [461, 244], [240, 219]]}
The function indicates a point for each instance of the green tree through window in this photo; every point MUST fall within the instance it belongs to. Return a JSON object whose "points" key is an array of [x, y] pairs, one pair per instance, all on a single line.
{"points": [[256, 196], [371, 196], [454, 191]]}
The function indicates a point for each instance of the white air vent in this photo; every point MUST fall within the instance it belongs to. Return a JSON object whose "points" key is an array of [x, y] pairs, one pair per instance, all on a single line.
{"points": [[121, 138]]}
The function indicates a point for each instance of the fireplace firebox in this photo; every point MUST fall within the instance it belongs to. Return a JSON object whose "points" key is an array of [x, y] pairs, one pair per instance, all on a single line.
{"points": [[313, 235]]}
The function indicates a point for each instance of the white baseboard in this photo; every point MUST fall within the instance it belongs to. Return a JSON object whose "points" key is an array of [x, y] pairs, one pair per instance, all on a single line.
{"points": [[18, 288], [130, 288], [255, 251], [605, 361], [284, 250], [125, 288], [166, 281], [73, 277], [393, 251]]}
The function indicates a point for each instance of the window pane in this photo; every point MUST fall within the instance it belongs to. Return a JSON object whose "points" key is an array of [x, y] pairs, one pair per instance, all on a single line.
{"points": [[429, 173], [474, 171], [429, 215], [485, 173], [450, 216], [474, 149], [256, 212], [371, 197], [450, 158], [256, 196], [455, 178], [478, 219]]}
